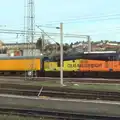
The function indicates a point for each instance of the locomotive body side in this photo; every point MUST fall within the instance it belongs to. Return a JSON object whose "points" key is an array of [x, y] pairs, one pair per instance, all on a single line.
{"points": [[100, 62], [70, 66], [101, 65]]}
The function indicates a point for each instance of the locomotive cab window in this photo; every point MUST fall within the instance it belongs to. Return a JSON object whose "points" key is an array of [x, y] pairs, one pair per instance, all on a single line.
{"points": [[119, 57], [111, 58], [115, 58]]}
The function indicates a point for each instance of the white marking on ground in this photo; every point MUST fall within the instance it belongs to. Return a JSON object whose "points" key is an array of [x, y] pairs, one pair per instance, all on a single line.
{"points": [[62, 99]]}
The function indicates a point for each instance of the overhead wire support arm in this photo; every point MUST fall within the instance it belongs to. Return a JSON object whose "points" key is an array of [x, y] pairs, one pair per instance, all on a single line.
{"points": [[45, 33]]}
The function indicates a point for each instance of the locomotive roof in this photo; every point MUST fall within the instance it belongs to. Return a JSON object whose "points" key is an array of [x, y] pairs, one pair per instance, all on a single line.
{"points": [[95, 56], [100, 52]]}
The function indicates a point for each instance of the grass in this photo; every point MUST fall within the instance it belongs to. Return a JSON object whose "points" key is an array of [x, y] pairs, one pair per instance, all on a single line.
{"points": [[101, 87], [85, 86], [16, 117]]}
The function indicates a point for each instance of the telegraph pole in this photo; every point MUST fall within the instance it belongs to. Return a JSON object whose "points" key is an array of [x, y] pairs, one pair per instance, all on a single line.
{"points": [[61, 54]]}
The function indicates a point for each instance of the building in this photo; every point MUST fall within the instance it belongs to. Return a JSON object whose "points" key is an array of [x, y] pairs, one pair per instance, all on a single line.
{"points": [[18, 49]]}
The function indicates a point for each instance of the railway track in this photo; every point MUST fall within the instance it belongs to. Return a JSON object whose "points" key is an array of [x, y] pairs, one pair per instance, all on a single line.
{"points": [[83, 80], [53, 114], [58, 92]]}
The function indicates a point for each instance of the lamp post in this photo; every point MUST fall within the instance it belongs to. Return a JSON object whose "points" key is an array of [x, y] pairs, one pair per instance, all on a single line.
{"points": [[61, 53]]}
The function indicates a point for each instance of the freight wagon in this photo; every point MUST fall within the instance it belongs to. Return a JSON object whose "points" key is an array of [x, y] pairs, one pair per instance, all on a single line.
{"points": [[21, 65]]}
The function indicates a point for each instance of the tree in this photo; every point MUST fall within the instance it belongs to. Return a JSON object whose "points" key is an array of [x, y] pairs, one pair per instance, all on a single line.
{"points": [[102, 41], [39, 44], [66, 47], [106, 41], [48, 48], [71, 45]]}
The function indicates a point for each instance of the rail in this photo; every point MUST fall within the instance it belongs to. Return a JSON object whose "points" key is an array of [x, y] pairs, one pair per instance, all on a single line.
{"points": [[84, 80], [57, 93], [53, 114]]}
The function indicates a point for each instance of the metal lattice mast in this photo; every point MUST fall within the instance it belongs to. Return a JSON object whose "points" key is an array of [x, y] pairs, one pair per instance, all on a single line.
{"points": [[25, 28], [29, 27], [31, 21]]}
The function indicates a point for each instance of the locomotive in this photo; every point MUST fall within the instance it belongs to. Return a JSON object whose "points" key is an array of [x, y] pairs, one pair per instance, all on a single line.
{"points": [[95, 65]]}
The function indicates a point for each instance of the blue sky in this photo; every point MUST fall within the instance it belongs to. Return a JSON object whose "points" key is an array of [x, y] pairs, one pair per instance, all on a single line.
{"points": [[79, 16]]}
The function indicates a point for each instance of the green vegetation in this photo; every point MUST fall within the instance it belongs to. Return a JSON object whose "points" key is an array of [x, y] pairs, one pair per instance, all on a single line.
{"points": [[91, 86], [15, 117], [46, 83], [77, 85], [99, 87]]}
